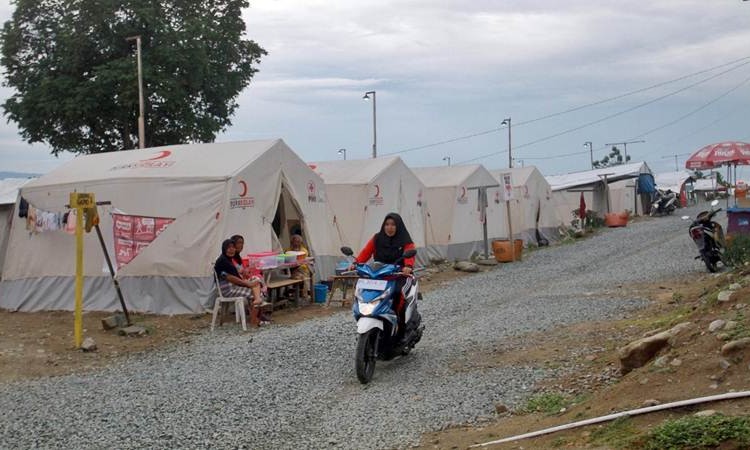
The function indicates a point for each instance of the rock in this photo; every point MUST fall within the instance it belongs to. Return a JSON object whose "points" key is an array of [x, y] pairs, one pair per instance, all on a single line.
{"points": [[740, 306], [500, 408], [88, 345], [735, 286], [731, 325], [676, 362], [133, 330], [724, 364], [638, 353], [466, 266], [724, 296], [114, 321], [734, 346], [723, 336], [716, 325], [487, 262], [661, 361], [437, 261], [705, 413], [651, 402]]}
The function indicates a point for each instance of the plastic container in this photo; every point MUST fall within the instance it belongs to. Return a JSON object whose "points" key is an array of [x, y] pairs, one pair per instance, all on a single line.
{"points": [[342, 266], [614, 220], [320, 292], [290, 257], [501, 249], [298, 255]]}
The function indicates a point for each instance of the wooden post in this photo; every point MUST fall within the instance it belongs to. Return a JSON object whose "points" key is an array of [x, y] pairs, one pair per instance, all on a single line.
{"points": [[510, 232]]}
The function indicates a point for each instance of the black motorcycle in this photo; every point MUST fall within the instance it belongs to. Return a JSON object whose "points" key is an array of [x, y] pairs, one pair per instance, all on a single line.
{"points": [[708, 237]]}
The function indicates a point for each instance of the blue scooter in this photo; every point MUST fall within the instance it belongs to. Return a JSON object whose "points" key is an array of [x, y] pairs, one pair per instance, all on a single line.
{"points": [[377, 322]]}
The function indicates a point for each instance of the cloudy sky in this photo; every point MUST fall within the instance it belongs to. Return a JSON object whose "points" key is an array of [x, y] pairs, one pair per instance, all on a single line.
{"points": [[448, 72]]}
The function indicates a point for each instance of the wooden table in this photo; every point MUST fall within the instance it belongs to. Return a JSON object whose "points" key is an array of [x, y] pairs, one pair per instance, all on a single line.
{"points": [[275, 285], [342, 282]]}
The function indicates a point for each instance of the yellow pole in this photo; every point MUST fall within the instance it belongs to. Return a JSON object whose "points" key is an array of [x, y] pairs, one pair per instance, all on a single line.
{"points": [[79, 279]]}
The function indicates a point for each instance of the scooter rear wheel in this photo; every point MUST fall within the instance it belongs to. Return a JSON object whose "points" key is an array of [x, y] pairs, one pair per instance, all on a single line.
{"points": [[364, 359], [710, 263]]}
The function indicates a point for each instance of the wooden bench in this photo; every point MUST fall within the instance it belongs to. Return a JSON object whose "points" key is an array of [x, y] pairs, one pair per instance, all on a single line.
{"points": [[342, 283], [275, 286]]}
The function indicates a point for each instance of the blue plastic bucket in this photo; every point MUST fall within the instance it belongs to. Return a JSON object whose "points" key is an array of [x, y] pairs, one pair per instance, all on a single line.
{"points": [[321, 292]]}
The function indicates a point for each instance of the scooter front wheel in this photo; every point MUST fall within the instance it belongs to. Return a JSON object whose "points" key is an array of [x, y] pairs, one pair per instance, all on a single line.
{"points": [[710, 263], [364, 359]]}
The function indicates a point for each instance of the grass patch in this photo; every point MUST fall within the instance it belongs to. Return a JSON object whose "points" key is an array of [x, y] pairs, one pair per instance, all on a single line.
{"points": [[737, 251], [619, 434], [698, 432], [548, 403]]}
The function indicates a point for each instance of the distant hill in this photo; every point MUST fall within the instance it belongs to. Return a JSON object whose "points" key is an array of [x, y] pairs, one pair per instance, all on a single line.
{"points": [[4, 175]]}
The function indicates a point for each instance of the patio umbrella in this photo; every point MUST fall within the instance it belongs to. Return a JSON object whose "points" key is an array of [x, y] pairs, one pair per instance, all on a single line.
{"points": [[731, 153]]}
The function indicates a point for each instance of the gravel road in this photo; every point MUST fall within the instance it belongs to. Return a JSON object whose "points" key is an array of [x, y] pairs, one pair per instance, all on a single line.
{"points": [[294, 386]]}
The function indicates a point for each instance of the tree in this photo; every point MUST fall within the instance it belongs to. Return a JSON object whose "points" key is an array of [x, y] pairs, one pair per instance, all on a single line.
{"points": [[75, 78], [613, 159]]}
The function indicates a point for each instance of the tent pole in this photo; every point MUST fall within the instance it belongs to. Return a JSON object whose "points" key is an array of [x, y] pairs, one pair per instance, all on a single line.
{"points": [[112, 273]]}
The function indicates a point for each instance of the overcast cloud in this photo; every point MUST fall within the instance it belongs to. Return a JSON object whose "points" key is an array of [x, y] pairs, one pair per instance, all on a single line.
{"points": [[446, 69]]}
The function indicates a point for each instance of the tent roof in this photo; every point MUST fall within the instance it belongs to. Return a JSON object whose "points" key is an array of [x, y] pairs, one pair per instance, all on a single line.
{"points": [[614, 173], [446, 176], [672, 180], [9, 189], [353, 171], [520, 175], [202, 161]]}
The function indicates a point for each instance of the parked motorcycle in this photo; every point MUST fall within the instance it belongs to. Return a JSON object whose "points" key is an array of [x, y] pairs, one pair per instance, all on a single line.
{"points": [[708, 237], [377, 323], [665, 202]]}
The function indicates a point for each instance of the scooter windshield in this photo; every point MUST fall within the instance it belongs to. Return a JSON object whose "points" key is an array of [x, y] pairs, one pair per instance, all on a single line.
{"points": [[376, 270]]}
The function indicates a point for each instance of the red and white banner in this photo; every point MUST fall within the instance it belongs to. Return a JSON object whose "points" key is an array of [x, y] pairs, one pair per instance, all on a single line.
{"points": [[134, 233]]}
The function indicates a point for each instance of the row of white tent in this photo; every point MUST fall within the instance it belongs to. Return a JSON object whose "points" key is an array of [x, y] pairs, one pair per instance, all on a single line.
{"points": [[262, 190]]}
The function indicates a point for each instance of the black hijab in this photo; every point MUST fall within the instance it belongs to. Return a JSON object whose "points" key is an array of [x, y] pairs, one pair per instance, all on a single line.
{"points": [[224, 264], [388, 249]]}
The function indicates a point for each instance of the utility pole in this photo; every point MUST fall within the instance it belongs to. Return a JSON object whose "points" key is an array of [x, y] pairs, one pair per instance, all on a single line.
{"points": [[591, 151], [510, 153], [676, 166], [141, 120], [625, 146]]}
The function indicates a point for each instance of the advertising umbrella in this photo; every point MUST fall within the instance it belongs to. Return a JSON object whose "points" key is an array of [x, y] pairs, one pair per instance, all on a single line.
{"points": [[732, 153]]}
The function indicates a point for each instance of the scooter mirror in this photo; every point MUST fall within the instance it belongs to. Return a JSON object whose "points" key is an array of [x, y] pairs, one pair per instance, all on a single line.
{"points": [[714, 203], [347, 251], [685, 217]]}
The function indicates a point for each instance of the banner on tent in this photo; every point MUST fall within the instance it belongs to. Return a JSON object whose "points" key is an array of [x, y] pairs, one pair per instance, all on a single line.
{"points": [[134, 233]]}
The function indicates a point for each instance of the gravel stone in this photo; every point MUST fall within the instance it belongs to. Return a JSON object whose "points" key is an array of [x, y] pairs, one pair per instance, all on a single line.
{"points": [[295, 387]]}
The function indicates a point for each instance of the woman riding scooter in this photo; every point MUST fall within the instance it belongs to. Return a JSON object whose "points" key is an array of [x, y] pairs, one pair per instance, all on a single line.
{"points": [[387, 246]]}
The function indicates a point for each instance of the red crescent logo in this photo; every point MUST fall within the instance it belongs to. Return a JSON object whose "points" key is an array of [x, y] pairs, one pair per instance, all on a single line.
{"points": [[377, 190], [244, 188], [162, 154]]}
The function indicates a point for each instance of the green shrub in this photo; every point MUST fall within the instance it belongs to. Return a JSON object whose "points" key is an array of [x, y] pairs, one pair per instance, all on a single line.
{"points": [[698, 433], [548, 403], [737, 251]]}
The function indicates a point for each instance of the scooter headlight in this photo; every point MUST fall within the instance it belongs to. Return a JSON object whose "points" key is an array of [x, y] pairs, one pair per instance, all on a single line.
{"points": [[367, 308]]}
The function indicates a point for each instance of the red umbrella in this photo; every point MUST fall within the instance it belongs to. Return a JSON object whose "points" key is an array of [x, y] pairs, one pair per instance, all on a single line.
{"points": [[723, 153]]}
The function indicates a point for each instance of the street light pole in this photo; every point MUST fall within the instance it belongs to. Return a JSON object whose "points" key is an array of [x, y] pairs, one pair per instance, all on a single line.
{"points": [[141, 120], [448, 158], [374, 124], [342, 151], [510, 154], [590, 145]]}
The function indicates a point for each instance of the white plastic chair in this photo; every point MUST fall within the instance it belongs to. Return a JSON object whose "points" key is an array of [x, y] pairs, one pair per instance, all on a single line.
{"points": [[239, 305]]}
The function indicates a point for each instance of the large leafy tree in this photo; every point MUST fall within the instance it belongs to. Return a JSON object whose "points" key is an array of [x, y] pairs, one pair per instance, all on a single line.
{"points": [[75, 78]]}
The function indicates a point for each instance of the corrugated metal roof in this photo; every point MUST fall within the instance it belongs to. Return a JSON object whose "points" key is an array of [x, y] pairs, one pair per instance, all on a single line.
{"points": [[614, 173]]}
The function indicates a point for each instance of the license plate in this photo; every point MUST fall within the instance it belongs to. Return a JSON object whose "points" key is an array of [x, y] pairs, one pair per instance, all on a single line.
{"points": [[373, 285]]}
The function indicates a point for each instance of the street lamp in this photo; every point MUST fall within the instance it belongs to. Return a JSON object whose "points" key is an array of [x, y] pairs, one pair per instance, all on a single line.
{"points": [[374, 124], [342, 151], [141, 121], [510, 155], [591, 151], [447, 158]]}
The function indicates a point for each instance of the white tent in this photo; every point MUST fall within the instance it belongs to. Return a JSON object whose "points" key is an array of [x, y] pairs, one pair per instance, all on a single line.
{"points": [[600, 197], [453, 226], [8, 195], [532, 207], [361, 192], [680, 181], [211, 190]]}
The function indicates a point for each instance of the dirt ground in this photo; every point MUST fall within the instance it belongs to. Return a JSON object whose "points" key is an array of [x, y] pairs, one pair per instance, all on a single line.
{"points": [[592, 346], [41, 344]]}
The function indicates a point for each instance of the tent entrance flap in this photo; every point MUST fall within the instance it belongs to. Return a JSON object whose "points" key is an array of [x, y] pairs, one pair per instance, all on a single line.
{"points": [[288, 219]]}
